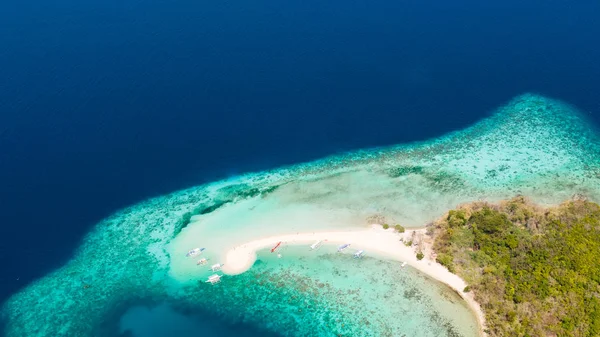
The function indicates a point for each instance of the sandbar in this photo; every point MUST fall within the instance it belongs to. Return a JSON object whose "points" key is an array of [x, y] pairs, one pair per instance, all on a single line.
{"points": [[385, 243]]}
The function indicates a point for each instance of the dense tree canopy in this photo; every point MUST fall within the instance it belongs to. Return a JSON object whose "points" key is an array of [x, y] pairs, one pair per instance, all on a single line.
{"points": [[535, 271]]}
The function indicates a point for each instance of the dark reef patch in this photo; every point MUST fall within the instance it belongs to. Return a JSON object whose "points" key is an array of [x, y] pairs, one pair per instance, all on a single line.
{"points": [[203, 319], [110, 324], [449, 329], [440, 179], [444, 181], [243, 191], [269, 190], [200, 210], [211, 208], [231, 193], [219, 325], [404, 170]]}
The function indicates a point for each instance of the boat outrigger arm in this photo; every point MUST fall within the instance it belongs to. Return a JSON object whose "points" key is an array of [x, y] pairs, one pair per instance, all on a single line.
{"points": [[276, 246]]}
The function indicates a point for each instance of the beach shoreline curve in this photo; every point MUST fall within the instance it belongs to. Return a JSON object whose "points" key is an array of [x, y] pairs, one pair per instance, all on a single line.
{"points": [[385, 243]]}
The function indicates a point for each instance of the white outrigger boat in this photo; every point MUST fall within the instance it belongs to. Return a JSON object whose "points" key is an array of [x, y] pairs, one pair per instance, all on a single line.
{"points": [[214, 279], [403, 264], [317, 245], [342, 247], [359, 254], [202, 261], [194, 252], [216, 267]]}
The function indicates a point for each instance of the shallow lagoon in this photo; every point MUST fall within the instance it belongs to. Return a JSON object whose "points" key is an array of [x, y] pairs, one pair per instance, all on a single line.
{"points": [[317, 293]]}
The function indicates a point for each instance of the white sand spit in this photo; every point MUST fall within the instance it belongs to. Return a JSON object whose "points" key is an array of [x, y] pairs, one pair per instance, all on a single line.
{"points": [[375, 240]]}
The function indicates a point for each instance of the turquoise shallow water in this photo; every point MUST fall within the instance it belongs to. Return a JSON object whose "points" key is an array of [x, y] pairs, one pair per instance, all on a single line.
{"points": [[326, 293], [533, 145], [177, 319]]}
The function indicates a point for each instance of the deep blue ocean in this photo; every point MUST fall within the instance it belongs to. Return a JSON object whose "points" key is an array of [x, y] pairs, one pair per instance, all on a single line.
{"points": [[106, 103]]}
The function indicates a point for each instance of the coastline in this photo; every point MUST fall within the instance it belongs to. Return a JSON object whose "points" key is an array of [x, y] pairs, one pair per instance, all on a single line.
{"points": [[385, 243]]}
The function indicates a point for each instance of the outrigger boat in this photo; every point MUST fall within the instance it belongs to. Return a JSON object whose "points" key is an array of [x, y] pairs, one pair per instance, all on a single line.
{"points": [[359, 254], [214, 279], [202, 261], [216, 267], [342, 247], [317, 245], [403, 264], [276, 246], [194, 252]]}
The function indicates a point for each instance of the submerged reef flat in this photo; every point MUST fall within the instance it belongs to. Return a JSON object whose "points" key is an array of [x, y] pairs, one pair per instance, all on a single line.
{"points": [[331, 294], [534, 146]]}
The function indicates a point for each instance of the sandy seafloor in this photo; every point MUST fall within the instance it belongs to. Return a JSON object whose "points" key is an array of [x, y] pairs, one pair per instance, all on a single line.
{"points": [[534, 146]]}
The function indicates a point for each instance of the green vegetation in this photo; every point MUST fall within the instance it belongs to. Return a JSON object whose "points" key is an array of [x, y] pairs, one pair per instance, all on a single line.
{"points": [[420, 255], [535, 272], [446, 260], [399, 229], [386, 226]]}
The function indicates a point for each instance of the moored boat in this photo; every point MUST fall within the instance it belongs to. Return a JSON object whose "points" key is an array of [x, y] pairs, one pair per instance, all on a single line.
{"points": [[342, 247], [194, 252], [359, 254], [317, 245], [216, 267], [214, 279]]}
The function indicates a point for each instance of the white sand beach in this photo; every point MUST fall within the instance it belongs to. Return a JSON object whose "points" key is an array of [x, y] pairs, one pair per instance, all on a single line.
{"points": [[386, 243]]}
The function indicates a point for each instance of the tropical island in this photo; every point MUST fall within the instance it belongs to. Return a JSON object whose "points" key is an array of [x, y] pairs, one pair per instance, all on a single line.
{"points": [[525, 268]]}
